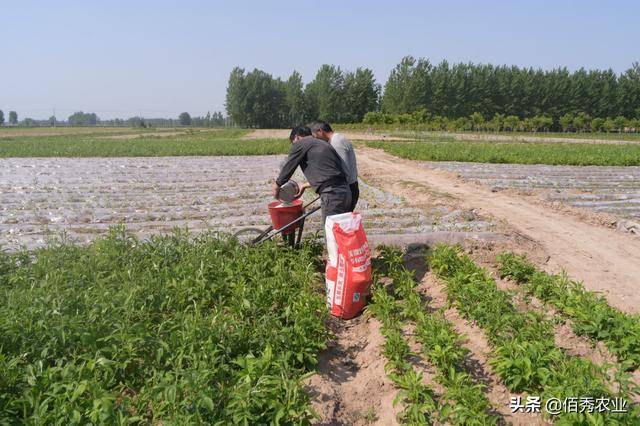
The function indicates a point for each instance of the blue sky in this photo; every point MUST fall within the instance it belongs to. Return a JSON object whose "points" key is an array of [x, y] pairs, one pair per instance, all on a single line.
{"points": [[117, 58]]}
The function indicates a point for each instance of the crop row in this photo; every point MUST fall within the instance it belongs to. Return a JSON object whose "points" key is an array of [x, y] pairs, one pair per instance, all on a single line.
{"points": [[418, 399], [462, 401], [524, 353], [150, 195], [590, 314], [176, 329]]}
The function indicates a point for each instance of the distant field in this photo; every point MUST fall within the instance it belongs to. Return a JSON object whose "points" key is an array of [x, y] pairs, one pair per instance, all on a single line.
{"points": [[607, 138], [9, 132], [417, 133], [135, 143], [554, 153]]}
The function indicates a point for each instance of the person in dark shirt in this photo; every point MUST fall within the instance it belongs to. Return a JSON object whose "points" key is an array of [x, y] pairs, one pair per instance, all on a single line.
{"points": [[323, 168]]}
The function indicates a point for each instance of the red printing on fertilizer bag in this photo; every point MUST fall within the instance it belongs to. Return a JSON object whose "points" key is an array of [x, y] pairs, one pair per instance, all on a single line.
{"points": [[340, 281], [363, 259]]}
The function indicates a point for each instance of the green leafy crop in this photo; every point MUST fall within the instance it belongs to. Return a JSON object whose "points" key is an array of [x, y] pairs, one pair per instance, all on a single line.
{"points": [[590, 313], [463, 401], [170, 330], [524, 352]]}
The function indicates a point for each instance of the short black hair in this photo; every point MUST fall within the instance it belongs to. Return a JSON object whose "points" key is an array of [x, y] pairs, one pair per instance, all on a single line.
{"points": [[321, 125], [299, 130]]}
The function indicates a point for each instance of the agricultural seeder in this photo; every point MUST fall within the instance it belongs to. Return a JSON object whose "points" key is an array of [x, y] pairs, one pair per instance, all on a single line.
{"points": [[287, 214]]}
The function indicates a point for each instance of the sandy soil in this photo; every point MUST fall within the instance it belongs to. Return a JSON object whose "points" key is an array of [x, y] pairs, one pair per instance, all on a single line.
{"points": [[478, 360], [605, 260], [351, 387], [284, 134]]}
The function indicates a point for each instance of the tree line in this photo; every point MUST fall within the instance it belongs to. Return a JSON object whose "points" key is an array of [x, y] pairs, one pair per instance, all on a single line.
{"points": [[80, 118], [581, 122], [13, 117], [551, 99], [460, 90], [257, 99]]}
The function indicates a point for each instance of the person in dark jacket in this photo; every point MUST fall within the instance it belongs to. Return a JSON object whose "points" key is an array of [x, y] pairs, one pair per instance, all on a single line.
{"points": [[323, 168]]}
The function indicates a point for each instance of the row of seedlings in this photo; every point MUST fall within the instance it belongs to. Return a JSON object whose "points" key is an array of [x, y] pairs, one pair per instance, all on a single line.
{"points": [[462, 401], [524, 352], [590, 314], [418, 399]]}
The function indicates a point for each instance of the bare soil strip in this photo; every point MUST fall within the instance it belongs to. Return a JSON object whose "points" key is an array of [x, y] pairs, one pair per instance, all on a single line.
{"points": [[605, 260], [351, 386], [478, 361]]}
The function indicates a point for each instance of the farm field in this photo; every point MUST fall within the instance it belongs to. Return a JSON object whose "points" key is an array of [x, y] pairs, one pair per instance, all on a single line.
{"points": [[83, 197], [603, 138], [567, 240], [556, 153], [197, 328], [12, 132], [140, 144], [612, 190], [174, 329]]}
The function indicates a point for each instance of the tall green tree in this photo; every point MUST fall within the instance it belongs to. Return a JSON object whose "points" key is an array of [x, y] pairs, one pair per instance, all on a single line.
{"points": [[184, 119], [83, 119], [325, 95], [235, 101], [13, 117], [361, 94], [629, 92], [294, 99], [256, 99], [264, 100], [408, 88], [1, 118]]}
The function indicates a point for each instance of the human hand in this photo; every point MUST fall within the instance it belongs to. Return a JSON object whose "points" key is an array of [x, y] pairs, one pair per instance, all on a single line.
{"points": [[302, 188], [275, 190]]}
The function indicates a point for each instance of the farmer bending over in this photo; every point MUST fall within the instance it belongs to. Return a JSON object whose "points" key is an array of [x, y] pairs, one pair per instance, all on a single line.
{"points": [[322, 130], [323, 169]]}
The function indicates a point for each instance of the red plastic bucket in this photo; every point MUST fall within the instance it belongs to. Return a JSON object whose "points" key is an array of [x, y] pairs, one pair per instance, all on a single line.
{"points": [[281, 216]]}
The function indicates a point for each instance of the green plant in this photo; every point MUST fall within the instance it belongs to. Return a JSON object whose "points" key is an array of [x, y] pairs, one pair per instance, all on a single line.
{"points": [[524, 352], [463, 401], [590, 314], [212, 142], [176, 329], [555, 153], [418, 400]]}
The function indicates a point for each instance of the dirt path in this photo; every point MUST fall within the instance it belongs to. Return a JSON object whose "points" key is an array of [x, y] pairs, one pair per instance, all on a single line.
{"points": [[351, 386], [605, 260]]}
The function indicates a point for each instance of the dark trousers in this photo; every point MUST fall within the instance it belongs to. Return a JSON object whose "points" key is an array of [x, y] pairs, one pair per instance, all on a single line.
{"points": [[355, 194], [335, 200]]}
